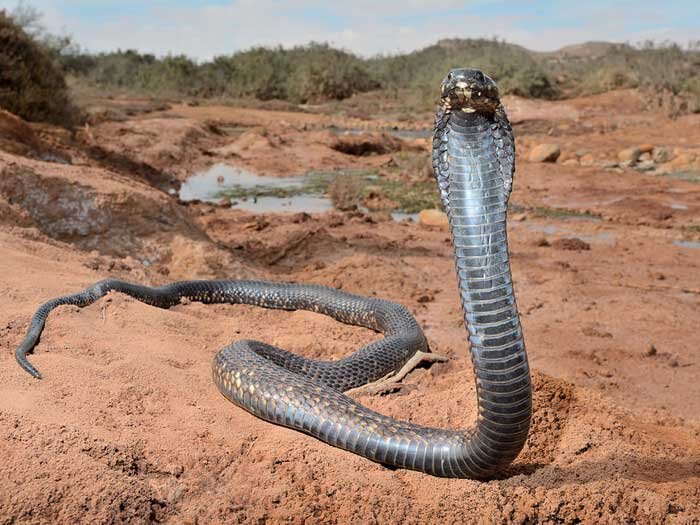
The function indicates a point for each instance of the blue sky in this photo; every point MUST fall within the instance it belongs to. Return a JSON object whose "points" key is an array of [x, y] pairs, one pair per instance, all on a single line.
{"points": [[212, 27]]}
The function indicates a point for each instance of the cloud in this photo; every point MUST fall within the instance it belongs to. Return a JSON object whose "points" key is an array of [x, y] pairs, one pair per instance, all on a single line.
{"points": [[206, 29]]}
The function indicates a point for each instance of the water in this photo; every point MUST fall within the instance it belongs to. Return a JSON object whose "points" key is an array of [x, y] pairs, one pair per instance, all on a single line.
{"points": [[263, 194], [292, 204], [208, 185], [688, 244], [213, 184]]}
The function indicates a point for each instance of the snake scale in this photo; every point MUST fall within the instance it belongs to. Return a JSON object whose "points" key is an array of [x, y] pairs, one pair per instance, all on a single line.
{"points": [[473, 159]]}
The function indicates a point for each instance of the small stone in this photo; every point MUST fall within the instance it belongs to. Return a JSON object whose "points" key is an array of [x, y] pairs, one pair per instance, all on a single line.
{"points": [[651, 351], [662, 155], [570, 162], [646, 148], [645, 156], [545, 153], [433, 218], [629, 155]]}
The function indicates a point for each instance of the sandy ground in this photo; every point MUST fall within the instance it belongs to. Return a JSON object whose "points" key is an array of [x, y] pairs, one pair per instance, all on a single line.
{"points": [[127, 427]]}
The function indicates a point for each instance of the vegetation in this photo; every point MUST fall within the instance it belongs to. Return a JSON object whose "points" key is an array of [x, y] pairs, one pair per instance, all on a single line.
{"points": [[32, 84], [33, 63], [317, 72], [312, 73]]}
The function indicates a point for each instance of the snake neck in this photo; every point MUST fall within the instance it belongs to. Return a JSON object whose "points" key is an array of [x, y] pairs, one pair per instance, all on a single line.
{"points": [[477, 154]]}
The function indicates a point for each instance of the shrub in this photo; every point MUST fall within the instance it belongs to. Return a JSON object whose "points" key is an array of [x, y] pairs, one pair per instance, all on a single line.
{"points": [[32, 85]]}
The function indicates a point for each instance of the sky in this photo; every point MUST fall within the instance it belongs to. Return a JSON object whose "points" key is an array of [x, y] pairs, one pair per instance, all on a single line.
{"points": [[367, 27]]}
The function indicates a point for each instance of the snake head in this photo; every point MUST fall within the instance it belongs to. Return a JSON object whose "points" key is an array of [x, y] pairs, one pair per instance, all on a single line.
{"points": [[469, 90]]}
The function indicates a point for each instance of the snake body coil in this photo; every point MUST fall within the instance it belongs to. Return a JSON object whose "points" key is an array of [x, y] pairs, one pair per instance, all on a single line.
{"points": [[473, 158]]}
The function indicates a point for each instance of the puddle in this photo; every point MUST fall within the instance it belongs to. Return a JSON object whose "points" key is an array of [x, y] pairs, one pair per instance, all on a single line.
{"points": [[688, 244], [308, 193], [210, 185], [293, 204]]}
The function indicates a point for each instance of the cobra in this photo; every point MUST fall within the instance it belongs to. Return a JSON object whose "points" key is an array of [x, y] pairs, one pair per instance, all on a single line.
{"points": [[473, 159]]}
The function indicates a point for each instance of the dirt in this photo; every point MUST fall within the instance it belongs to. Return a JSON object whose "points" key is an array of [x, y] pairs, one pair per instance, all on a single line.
{"points": [[127, 427]]}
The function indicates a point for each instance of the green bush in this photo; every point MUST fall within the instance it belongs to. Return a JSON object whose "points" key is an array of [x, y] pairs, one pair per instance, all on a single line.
{"points": [[311, 73], [32, 85], [514, 68]]}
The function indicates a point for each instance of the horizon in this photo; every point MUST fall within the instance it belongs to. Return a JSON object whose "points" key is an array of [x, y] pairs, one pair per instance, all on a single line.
{"points": [[203, 30]]}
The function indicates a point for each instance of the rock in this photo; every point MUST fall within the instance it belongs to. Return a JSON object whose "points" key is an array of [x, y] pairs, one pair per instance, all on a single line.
{"points": [[545, 153], [645, 156], [433, 218], [629, 155], [570, 162], [662, 155], [646, 148]]}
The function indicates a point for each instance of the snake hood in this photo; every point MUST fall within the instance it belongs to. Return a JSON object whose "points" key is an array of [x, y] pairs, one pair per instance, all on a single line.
{"points": [[469, 90]]}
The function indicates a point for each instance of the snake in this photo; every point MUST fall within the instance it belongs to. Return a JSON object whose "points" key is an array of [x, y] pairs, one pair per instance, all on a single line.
{"points": [[473, 158]]}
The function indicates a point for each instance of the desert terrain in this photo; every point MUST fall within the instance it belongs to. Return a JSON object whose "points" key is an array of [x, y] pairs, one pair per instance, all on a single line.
{"points": [[127, 427]]}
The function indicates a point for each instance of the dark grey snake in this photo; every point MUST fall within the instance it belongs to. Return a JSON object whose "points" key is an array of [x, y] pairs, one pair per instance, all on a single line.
{"points": [[473, 158]]}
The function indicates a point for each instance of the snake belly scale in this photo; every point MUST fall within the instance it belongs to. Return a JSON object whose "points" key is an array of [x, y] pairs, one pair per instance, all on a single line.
{"points": [[473, 160]]}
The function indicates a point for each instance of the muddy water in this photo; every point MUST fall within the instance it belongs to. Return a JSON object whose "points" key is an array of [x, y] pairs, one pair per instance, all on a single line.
{"points": [[293, 204], [213, 184], [208, 185], [251, 192]]}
